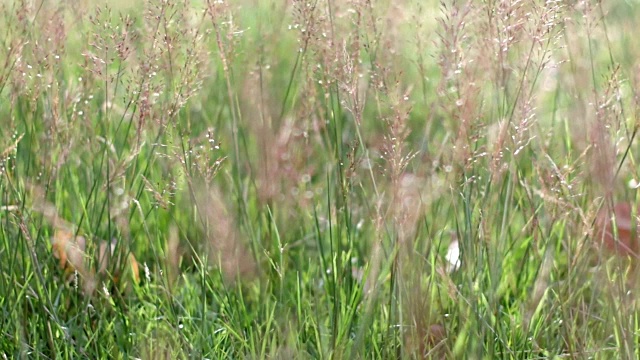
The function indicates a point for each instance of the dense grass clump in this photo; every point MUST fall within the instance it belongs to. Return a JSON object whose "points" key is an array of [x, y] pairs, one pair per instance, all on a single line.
{"points": [[319, 179]]}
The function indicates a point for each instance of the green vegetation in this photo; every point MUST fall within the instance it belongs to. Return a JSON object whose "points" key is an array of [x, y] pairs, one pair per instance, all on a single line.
{"points": [[292, 179]]}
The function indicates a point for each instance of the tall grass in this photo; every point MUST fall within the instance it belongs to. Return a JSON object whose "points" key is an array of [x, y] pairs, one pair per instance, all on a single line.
{"points": [[318, 179]]}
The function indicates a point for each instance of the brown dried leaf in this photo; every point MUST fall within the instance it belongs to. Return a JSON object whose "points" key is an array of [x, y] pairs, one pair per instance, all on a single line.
{"points": [[72, 254]]}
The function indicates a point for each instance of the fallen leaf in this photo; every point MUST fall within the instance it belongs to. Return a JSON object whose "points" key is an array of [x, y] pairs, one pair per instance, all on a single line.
{"points": [[71, 251]]}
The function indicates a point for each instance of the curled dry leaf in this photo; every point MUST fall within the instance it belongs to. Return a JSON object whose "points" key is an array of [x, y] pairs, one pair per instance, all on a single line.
{"points": [[71, 251], [616, 230]]}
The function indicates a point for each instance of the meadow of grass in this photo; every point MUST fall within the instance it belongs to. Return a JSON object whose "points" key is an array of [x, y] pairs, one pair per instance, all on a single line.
{"points": [[318, 179]]}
